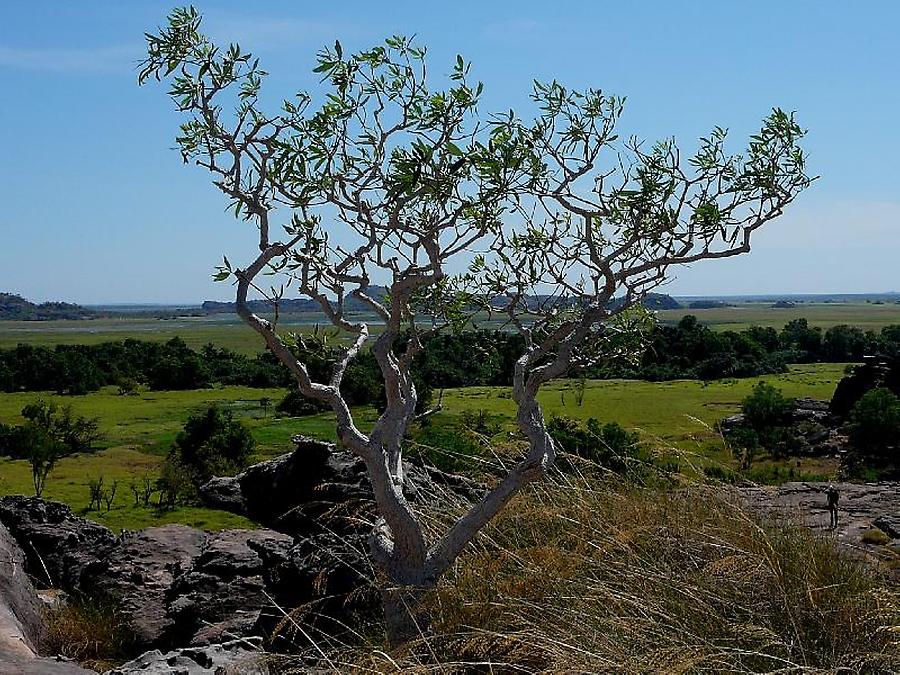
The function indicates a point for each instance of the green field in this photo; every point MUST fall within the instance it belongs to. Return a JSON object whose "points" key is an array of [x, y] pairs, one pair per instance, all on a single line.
{"points": [[865, 315], [226, 330], [676, 417]]}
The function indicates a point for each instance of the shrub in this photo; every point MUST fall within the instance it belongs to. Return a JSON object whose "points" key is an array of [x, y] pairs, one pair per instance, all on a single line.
{"points": [[212, 443], [875, 425], [766, 408], [610, 445], [49, 434], [295, 404]]}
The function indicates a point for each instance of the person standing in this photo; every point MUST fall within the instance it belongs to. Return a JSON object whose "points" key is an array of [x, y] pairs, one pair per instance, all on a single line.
{"points": [[832, 495]]}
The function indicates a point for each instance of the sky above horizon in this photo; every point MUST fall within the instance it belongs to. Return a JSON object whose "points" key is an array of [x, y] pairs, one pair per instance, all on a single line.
{"points": [[97, 206]]}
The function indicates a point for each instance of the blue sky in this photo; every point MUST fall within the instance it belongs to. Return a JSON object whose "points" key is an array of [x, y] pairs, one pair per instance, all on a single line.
{"points": [[97, 207]]}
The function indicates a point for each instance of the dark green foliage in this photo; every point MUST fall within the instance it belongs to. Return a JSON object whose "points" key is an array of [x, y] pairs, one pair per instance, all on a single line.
{"points": [[802, 342], [766, 409], [295, 404], [447, 448], [16, 308], [875, 426], [609, 445], [49, 434], [212, 443]]}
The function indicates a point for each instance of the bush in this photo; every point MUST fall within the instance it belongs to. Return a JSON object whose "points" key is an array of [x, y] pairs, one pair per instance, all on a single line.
{"points": [[49, 434], [212, 443], [610, 445], [875, 425], [766, 409], [295, 404]]}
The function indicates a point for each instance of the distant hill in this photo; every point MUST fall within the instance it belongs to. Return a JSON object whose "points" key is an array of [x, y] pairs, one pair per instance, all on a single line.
{"points": [[16, 308], [660, 301], [653, 301], [295, 305]]}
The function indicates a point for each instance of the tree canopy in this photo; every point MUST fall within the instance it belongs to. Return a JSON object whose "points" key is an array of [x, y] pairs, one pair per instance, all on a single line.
{"points": [[387, 178]]}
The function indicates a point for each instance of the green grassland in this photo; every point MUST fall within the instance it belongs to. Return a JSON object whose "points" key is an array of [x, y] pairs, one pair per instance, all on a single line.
{"points": [[865, 315], [226, 330], [675, 417]]}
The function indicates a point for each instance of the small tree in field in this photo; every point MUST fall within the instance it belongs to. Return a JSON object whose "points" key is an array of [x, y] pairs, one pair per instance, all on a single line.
{"points": [[551, 223]]}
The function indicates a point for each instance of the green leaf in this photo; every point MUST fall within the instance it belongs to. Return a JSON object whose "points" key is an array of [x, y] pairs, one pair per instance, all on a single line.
{"points": [[454, 149]]}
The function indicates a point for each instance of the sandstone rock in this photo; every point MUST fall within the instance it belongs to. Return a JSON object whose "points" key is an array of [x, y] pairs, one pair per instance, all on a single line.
{"points": [[320, 487], [21, 619], [889, 524], [21, 622], [59, 546], [860, 506], [228, 591], [138, 574], [237, 657], [293, 492]]}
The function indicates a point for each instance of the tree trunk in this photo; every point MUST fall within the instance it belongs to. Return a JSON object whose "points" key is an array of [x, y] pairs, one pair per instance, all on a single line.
{"points": [[404, 619]]}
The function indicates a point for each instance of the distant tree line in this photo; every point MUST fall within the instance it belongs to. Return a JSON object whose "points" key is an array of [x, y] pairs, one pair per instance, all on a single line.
{"points": [[172, 365], [687, 350]]}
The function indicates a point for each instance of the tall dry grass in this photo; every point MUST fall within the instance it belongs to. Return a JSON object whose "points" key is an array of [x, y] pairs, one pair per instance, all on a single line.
{"points": [[598, 576]]}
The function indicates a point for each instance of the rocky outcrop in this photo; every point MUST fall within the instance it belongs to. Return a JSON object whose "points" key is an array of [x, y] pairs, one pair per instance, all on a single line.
{"points": [[236, 657], [320, 487], [864, 377], [138, 575], [21, 621], [59, 546], [229, 589], [177, 587], [21, 618], [861, 507]]}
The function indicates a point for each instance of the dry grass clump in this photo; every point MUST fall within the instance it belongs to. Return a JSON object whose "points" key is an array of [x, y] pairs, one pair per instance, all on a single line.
{"points": [[580, 576], [89, 632]]}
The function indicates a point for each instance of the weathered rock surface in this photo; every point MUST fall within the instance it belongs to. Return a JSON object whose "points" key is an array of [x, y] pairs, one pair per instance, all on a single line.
{"points": [[860, 507], [175, 586], [58, 545], [320, 487], [229, 589], [139, 572], [21, 619], [236, 657]]}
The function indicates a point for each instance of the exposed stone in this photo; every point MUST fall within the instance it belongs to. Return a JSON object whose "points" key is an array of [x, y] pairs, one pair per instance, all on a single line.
{"points": [[236, 657], [860, 506], [21, 620], [889, 524], [229, 589], [320, 487], [21, 625], [138, 574], [59, 546]]}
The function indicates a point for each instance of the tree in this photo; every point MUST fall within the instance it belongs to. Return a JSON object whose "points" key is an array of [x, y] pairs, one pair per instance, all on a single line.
{"points": [[212, 443], [875, 425], [49, 434], [386, 180], [766, 408]]}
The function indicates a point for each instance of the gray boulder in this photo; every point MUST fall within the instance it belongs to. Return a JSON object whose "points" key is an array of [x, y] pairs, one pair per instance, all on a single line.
{"points": [[21, 619], [139, 573], [320, 487], [229, 589], [59, 546], [236, 657], [889, 524]]}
